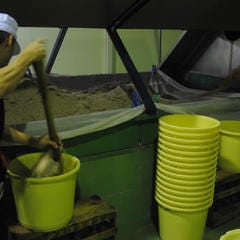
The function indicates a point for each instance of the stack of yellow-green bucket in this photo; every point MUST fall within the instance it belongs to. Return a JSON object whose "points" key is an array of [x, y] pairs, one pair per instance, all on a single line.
{"points": [[185, 175]]}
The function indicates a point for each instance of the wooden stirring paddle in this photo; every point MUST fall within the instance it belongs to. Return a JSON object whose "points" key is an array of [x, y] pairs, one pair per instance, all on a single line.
{"points": [[49, 164]]}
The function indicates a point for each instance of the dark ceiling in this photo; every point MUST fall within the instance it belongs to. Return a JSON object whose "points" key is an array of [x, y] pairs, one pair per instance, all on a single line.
{"points": [[156, 14]]}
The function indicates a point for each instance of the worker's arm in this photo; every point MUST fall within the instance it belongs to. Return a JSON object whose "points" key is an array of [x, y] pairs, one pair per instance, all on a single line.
{"points": [[11, 75], [14, 135]]}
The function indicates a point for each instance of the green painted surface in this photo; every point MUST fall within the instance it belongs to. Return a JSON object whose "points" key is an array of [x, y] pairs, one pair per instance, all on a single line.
{"points": [[148, 232], [127, 135], [149, 132], [118, 165], [105, 141], [131, 208], [125, 180]]}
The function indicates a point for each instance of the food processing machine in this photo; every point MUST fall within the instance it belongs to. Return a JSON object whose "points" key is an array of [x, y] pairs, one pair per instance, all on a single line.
{"points": [[204, 21]]}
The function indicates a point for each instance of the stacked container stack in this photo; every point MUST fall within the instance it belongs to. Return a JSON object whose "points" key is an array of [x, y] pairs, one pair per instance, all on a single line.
{"points": [[185, 175]]}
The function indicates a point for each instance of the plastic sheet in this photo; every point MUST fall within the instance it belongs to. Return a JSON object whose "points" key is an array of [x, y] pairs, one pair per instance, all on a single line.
{"points": [[72, 126], [220, 106], [78, 125]]}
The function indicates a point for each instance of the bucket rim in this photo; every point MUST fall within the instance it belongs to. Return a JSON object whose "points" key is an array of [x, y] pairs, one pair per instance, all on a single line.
{"points": [[47, 179], [197, 130], [230, 233], [225, 128]]}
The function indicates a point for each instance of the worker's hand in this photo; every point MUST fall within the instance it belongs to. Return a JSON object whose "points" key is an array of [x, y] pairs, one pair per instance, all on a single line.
{"points": [[36, 49], [44, 141]]}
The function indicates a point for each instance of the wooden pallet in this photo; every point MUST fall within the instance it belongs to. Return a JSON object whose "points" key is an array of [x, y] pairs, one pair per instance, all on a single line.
{"points": [[93, 219], [226, 204]]}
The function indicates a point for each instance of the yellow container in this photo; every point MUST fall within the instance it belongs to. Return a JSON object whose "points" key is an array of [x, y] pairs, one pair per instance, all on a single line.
{"points": [[182, 193], [187, 136], [189, 165], [231, 235], [189, 123], [180, 209], [187, 182], [230, 146], [190, 148], [175, 225], [186, 199], [43, 204], [171, 204], [205, 176], [189, 142], [188, 189], [184, 171], [188, 159], [182, 153]]}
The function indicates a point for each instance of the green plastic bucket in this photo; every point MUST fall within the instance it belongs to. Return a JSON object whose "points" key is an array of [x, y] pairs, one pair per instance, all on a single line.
{"points": [[43, 204]]}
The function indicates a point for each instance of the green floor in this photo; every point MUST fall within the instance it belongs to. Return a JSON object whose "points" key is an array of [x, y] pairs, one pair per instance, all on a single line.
{"points": [[150, 232], [214, 234]]}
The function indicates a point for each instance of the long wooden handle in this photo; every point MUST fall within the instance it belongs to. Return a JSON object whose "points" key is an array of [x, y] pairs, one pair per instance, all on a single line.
{"points": [[42, 82]]}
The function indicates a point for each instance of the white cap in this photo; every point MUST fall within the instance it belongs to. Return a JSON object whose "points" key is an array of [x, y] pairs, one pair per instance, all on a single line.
{"points": [[9, 24]]}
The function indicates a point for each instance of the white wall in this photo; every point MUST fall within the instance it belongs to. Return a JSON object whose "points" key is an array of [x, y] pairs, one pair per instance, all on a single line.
{"points": [[89, 51]]}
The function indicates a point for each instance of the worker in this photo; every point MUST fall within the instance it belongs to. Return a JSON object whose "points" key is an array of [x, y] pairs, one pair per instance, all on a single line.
{"points": [[11, 74]]}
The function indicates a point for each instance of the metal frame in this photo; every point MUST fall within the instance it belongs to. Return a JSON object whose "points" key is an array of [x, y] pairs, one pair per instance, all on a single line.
{"points": [[126, 59]]}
